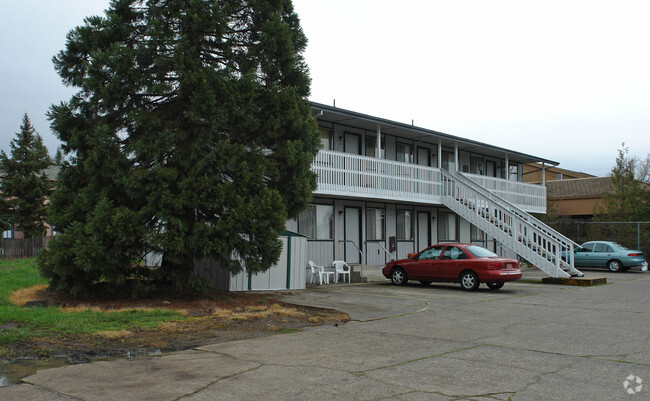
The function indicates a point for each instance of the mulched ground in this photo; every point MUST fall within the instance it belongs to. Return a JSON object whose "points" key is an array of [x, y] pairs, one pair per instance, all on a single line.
{"points": [[219, 317]]}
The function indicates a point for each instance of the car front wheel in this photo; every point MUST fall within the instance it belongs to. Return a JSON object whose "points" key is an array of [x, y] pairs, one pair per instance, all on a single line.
{"points": [[469, 281], [495, 286], [614, 266], [398, 276]]}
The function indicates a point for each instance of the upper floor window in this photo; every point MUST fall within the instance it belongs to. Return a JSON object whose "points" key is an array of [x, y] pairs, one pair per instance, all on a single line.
{"points": [[325, 138], [513, 170], [404, 153], [371, 147], [447, 159], [317, 222], [476, 166]]}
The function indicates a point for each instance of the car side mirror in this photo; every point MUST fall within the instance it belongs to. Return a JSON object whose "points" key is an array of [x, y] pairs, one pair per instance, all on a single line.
{"points": [[412, 255]]}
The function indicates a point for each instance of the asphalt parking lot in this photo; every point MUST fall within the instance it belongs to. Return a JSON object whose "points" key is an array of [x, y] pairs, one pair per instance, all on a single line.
{"points": [[527, 341]]}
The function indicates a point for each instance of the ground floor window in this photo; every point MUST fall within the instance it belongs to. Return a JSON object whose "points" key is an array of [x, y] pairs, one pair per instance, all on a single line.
{"points": [[404, 225], [477, 236], [447, 227], [317, 222], [374, 224]]}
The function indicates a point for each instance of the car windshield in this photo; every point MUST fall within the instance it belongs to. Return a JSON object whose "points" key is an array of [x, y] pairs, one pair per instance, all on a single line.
{"points": [[620, 246], [480, 252]]}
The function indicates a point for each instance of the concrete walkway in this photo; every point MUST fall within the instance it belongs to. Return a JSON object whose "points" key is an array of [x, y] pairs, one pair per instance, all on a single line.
{"points": [[524, 342]]}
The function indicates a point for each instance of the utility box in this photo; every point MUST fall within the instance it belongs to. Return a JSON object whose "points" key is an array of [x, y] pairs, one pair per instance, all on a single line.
{"points": [[392, 244]]}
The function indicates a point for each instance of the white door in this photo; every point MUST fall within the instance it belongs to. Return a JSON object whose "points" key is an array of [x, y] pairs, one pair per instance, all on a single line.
{"points": [[424, 157], [352, 234], [352, 145]]}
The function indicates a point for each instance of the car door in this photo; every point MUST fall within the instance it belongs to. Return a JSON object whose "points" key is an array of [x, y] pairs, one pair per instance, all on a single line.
{"points": [[602, 254], [583, 255], [426, 267], [452, 263]]}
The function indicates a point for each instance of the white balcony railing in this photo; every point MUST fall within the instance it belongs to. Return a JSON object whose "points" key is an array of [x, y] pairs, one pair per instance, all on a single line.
{"points": [[353, 175], [345, 174], [530, 197]]}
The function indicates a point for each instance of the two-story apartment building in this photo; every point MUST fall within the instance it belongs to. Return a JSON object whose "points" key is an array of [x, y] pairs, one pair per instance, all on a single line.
{"points": [[386, 189]]}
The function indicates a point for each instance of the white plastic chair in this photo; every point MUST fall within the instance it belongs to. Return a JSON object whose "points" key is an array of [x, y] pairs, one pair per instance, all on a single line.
{"points": [[315, 273], [342, 268]]}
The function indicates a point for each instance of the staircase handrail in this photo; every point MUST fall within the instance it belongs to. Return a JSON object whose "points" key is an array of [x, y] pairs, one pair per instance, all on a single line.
{"points": [[380, 243], [363, 262], [505, 204]]}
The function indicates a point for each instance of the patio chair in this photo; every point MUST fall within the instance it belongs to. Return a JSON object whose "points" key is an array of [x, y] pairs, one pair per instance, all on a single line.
{"points": [[343, 268], [315, 273]]}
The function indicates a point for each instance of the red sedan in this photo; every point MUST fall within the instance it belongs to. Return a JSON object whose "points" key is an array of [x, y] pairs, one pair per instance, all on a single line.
{"points": [[469, 265]]}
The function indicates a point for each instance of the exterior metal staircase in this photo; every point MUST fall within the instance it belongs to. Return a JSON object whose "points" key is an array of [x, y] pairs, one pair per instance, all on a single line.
{"points": [[512, 227]]}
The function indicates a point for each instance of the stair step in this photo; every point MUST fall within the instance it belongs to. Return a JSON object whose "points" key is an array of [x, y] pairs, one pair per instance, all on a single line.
{"points": [[504, 222]]}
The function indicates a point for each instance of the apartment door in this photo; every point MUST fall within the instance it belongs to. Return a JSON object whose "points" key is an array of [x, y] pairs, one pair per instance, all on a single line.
{"points": [[352, 145], [424, 231], [424, 157], [491, 168], [352, 234]]}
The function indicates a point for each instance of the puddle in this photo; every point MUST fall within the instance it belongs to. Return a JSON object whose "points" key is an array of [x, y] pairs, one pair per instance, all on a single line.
{"points": [[14, 372]]}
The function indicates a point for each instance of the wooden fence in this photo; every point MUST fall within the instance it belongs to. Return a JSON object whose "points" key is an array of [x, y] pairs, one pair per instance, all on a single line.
{"points": [[22, 248]]}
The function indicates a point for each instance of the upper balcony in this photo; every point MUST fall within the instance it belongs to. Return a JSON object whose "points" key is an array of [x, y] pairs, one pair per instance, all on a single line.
{"points": [[350, 175]]}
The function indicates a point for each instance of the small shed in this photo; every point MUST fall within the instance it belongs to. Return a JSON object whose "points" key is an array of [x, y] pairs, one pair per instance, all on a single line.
{"points": [[288, 274]]}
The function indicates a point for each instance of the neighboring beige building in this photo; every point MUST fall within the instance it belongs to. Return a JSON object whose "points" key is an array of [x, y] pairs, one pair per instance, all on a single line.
{"points": [[576, 198], [533, 173]]}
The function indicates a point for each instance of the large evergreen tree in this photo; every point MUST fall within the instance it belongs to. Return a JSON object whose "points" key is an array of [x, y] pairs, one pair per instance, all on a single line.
{"points": [[190, 136], [24, 184]]}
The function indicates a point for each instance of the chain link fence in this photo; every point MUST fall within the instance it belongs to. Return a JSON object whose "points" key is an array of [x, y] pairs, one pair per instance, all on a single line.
{"points": [[631, 234]]}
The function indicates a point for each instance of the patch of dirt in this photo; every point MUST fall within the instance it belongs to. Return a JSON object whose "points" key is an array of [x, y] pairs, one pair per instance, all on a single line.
{"points": [[219, 317]]}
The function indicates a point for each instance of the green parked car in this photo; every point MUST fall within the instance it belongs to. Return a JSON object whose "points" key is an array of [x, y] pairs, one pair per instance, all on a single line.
{"points": [[608, 254]]}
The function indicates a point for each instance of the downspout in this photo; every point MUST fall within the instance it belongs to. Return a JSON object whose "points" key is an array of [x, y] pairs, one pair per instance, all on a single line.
{"points": [[439, 152], [456, 156]]}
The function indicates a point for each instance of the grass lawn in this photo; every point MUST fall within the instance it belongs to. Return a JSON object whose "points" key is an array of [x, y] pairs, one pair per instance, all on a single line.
{"points": [[23, 324], [112, 325]]}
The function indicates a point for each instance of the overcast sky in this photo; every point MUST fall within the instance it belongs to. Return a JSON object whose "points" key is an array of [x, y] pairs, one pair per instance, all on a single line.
{"points": [[565, 80]]}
